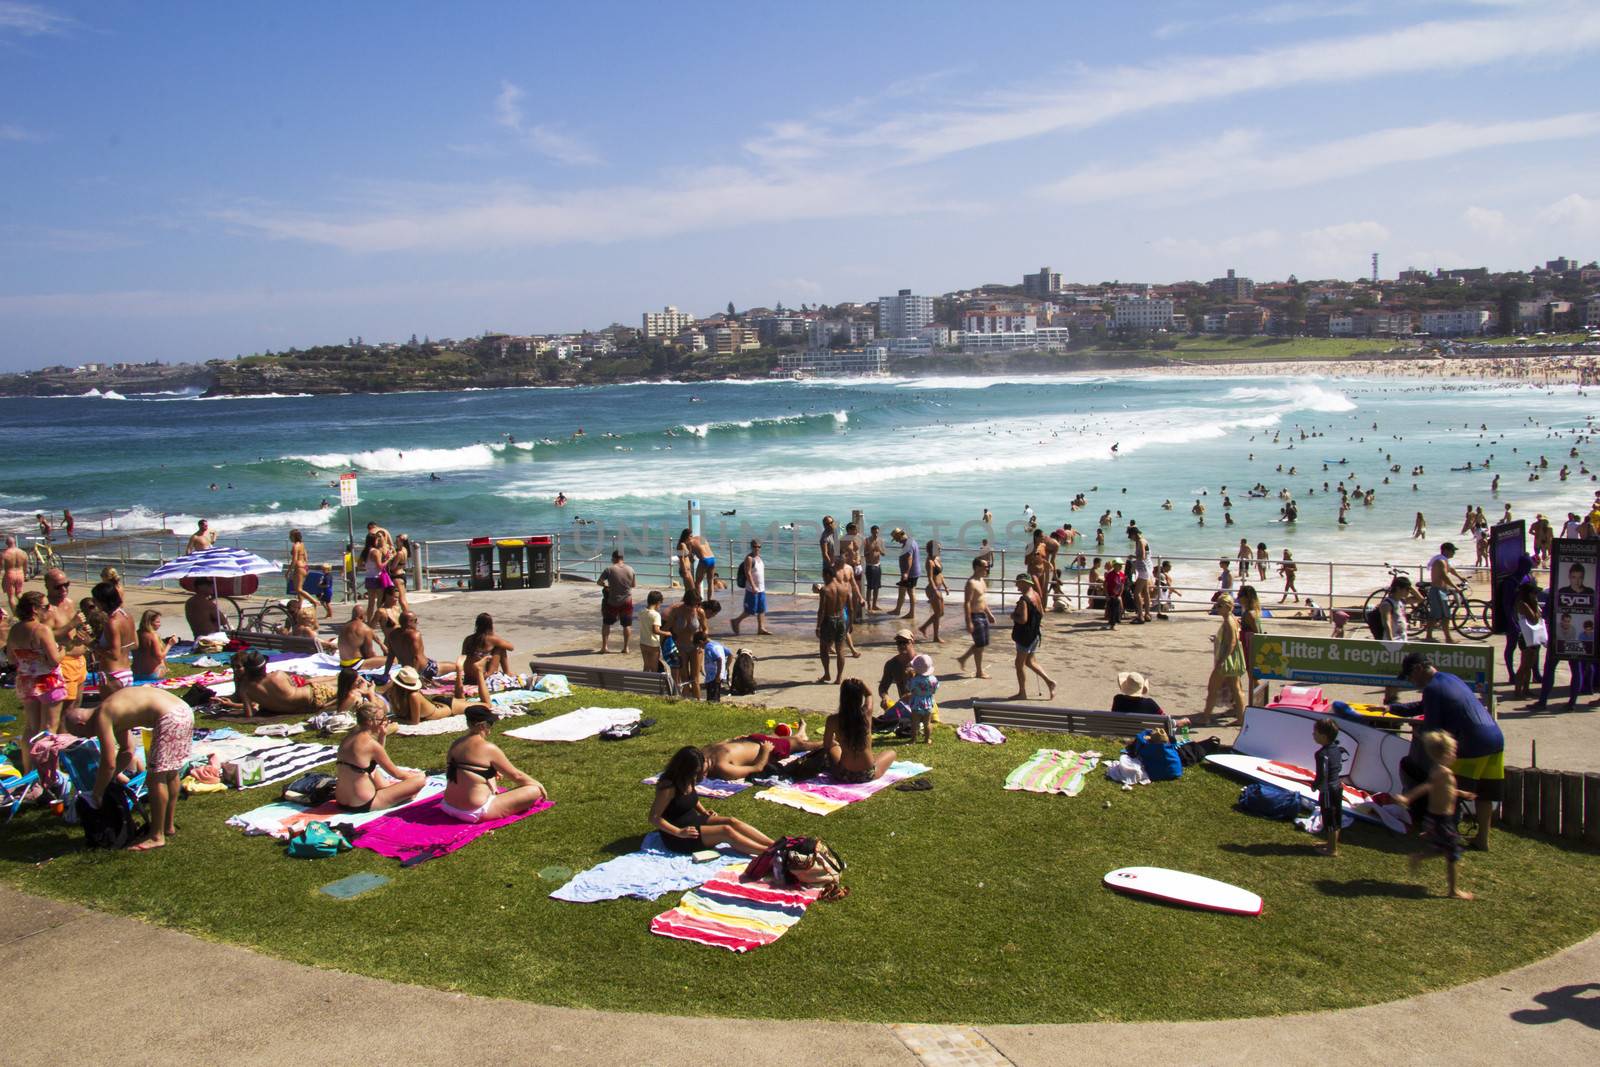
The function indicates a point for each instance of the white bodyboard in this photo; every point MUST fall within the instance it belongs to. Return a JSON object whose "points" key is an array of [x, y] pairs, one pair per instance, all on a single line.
{"points": [[1180, 887]]}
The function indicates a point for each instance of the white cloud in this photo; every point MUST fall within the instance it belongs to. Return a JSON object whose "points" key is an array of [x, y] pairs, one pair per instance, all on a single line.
{"points": [[10, 131], [1241, 160], [31, 20], [1274, 15], [514, 216], [1488, 222], [1575, 211], [547, 140], [1100, 96]]}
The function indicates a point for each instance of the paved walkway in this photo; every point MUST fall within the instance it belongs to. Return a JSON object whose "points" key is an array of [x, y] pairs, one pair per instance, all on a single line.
{"points": [[157, 996]]}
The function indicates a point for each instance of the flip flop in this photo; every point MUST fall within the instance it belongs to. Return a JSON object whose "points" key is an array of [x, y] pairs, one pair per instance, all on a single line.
{"points": [[914, 785]]}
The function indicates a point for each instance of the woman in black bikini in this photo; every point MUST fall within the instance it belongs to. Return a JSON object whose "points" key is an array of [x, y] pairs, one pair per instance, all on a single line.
{"points": [[361, 754], [471, 770], [686, 825], [483, 653], [847, 737]]}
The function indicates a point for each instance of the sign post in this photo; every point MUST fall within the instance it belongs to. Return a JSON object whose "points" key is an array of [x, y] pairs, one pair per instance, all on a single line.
{"points": [[348, 500], [1507, 545]]}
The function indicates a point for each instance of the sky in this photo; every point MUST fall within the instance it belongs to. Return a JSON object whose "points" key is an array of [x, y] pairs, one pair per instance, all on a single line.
{"points": [[187, 181]]}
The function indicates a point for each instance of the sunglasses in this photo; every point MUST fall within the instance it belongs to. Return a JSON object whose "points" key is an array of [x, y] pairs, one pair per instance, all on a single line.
{"points": [[60, 585]]}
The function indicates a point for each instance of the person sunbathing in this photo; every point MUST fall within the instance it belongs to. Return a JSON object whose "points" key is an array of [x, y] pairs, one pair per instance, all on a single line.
{"points": [[361, 756], [351, 690], [259, 691], [847, 736], [411, 706], [686, 825], [471, 769], [484, 653], [740, 757], [405, 648]]}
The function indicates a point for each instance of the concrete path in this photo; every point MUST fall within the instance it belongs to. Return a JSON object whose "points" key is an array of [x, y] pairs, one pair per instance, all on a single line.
{"points": [[156, 996]]}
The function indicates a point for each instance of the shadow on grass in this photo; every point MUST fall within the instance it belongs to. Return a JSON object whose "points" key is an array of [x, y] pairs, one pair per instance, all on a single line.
{"points": [[1274, 848], [1580, 1003], [30, 840], [623, 845], [1371, 887]]}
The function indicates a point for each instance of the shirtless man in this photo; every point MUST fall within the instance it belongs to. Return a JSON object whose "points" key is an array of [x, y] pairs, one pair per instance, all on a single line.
{"points": [[850, 554], [202, 611], [975, 606], [405, 648], [872, 558], [172, 722], [1441, 575], [739, 757], [257, 690], [683, 621], [833, 604], [202, 538], [72, 634], [359, 647], [13, 569]]}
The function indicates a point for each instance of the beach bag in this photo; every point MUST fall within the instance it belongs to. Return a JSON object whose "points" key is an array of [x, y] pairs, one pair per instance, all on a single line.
{"points": [[118, 822], [1160, 758], [742, 679], [1192, 753], [739, 579], [799, 861], [317, 841], [310, 789], [1534, 634], [1269, 801], [1233, 662], [805, 768], [198, 696]]}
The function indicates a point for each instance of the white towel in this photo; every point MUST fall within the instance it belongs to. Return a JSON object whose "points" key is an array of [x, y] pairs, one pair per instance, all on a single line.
{"points": [[577, 725]]}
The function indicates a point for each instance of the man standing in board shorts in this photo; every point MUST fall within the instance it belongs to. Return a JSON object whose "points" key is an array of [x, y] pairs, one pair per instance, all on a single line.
{"points": [[616, 602], [753, 576], [975, 605], [872, 555], [70, 630], [1440, 574]]}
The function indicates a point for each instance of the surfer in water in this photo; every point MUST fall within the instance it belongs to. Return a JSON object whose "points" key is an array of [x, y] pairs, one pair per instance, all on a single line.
{"points": [[561, 500]]}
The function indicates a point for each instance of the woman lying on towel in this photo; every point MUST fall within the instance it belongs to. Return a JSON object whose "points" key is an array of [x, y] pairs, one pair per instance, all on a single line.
{"points": [[740, 757], [361, 755], [472, 769], [411, 705], [258, 691], [847, 737], [686, 825]]}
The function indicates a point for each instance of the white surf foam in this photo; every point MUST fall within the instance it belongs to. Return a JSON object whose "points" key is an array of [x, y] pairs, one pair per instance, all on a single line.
{"points": [[403, 461]]}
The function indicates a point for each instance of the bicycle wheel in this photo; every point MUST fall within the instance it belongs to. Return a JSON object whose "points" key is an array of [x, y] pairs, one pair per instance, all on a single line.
{"points": [[1471, 619], [238, 611], [1374, 598], [273, 618]]}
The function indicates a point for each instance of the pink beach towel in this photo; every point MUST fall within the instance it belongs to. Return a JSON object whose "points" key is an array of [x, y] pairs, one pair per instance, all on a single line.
{"points": [[422, 831]]}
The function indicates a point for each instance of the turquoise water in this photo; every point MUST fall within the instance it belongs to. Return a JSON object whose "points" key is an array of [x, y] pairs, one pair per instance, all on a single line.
{"points": [[929, 454]]}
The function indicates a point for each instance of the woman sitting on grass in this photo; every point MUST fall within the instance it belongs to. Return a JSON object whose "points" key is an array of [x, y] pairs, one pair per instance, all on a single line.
{"points": [[847, 737], [411, 706], [484, 653], [150, 654], [471, 769], [687, 825], [361, 754]]}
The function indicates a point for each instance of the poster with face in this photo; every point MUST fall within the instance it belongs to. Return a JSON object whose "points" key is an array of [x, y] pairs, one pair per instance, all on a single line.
{"points": [[1574, 606]]}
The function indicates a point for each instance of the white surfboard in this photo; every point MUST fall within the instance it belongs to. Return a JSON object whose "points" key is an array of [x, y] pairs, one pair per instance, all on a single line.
{"points": [[1180, 887]]}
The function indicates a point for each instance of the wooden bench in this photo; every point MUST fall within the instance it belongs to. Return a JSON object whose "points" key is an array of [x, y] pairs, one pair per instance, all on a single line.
{"points": [[273, 642], [1068, 720], [649, 683]]}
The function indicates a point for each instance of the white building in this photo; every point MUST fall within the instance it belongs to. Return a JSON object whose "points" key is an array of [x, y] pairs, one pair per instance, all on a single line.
{"points": [[908, 346], [999, 342], [1053, 336], [870, 361], [996, 320], [903, 315], [668, 322], [936, 335], [1458, 322], [1139, 313], [1592, 319]]}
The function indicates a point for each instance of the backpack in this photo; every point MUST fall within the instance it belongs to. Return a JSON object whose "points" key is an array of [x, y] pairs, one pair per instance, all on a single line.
{"points": [[1192, 753], [317, 841], [1374, 617], [119, 821], [743, 569], [742, 679], [799, 861], [1269, 801], [310, 789]]}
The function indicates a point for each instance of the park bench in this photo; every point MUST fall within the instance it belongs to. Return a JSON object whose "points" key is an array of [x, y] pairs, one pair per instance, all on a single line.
{"points": [[1068, 720], [649, 683], [267, 641]]}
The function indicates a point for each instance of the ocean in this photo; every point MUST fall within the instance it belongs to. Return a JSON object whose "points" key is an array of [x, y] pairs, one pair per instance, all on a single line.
{"points": [[929, 454]]}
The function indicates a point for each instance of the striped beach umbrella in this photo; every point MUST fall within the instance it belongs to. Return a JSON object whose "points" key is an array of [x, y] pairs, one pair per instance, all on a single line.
{"points": [[212, 563]]}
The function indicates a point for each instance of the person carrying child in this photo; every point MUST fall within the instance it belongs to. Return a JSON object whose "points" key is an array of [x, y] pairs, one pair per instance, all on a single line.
{"points": [[920, 690], [1329, 761], [1440, 833]]}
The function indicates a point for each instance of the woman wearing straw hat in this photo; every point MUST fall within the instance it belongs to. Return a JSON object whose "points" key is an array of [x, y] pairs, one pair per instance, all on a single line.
{"points": [[411, 706], [1227, 662], [1133, 696]]}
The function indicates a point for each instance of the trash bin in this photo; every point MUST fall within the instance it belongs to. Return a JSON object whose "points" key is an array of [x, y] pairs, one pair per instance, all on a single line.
{"points": [[513, 563], [541, 562], [480, 561]]}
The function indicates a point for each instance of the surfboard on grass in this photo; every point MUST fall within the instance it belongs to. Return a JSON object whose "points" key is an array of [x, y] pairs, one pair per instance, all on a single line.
{"points": [[1180, 887]]}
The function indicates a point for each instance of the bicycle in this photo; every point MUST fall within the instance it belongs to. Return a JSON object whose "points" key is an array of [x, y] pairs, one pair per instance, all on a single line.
{"points": [[42, 558], [1468, 616], [272, 617]]}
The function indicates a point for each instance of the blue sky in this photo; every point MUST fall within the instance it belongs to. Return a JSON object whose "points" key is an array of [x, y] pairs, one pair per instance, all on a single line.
{"points": [[195, 180]]}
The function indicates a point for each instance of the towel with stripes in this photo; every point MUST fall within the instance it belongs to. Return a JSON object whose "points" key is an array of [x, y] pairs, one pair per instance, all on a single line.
{"points": [[283, 762], [738, 916], [824, 795], [1053, 770]]}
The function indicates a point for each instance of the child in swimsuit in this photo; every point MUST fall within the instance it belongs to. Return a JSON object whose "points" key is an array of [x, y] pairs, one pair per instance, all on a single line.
{"points": [[1441, 833]]}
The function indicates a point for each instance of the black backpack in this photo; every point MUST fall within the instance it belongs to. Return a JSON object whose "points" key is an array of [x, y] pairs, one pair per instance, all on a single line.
{"points": [[742, 679], [1375, 621], [118, 822]]}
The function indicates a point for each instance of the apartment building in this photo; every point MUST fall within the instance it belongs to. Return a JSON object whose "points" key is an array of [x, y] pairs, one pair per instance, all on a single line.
{"points": [[872, 360], [904, 314], [1141, 314], [997, 320], [668, 322], [1046, 283], [1456, 322], [1232, 287]]}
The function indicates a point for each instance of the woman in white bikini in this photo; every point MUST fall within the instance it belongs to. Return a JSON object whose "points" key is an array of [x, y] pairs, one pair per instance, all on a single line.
{"points": [[472, 769]]}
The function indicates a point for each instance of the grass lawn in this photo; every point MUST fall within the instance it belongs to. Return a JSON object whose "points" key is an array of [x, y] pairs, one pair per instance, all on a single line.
{"points": [[967, 903]]}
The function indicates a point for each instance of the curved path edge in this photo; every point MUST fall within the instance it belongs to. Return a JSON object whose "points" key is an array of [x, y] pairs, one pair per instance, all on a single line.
{"points": [[163, 996]]}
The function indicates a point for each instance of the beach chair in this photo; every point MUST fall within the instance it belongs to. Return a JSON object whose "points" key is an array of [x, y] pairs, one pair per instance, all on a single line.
{"points": [[12, 790], [81, 763]]}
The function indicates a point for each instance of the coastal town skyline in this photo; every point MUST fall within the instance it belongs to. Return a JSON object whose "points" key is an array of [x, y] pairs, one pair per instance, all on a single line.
{"points": [[197, 197]]}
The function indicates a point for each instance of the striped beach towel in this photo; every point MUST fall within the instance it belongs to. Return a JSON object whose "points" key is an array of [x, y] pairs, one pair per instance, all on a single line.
{"points": [[823, 795], [283, 762], [727, 913], [1052, 770], [281, 819]]}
